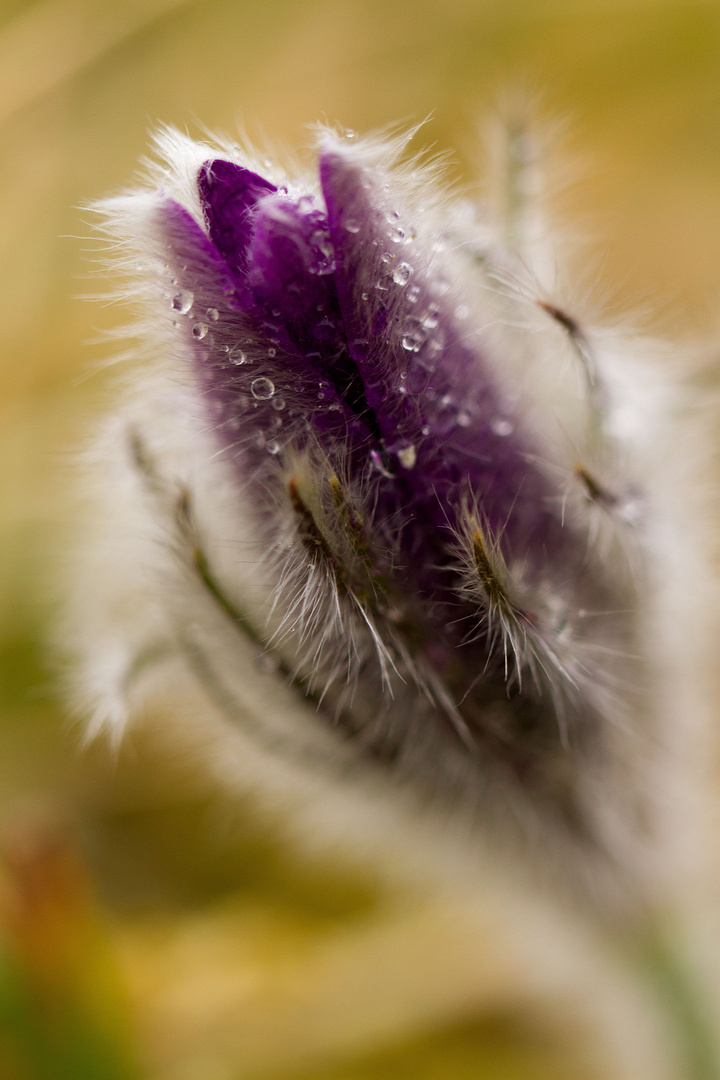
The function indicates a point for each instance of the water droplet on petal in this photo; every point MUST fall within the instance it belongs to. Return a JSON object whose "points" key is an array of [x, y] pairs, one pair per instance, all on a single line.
{"points": [[322, 243], [412, 340], [272, 352], [212, 314], [272, 447], [278, 403], [501, 426], [352, 226], [413, 293], [397, 235], [262, 388], [402, 273], [237, 356], [199, 330], [182, 301]]}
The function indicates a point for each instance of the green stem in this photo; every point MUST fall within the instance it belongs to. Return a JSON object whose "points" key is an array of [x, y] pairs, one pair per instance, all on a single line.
{"points": [[685, 1002]]}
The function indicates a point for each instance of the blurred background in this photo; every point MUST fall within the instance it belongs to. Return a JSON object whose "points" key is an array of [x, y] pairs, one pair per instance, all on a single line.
{"points": [[149, 929]]}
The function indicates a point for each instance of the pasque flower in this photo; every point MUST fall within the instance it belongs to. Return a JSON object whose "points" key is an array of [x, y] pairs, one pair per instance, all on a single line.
{"points": [[392, 500]]}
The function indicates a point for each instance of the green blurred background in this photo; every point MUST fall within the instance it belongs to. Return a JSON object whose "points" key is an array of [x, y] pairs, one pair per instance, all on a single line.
{"points": [[148, 928]]}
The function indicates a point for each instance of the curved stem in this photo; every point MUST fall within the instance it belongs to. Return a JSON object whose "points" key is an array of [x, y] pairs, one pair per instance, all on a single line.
{"points": [[685, 1002]]}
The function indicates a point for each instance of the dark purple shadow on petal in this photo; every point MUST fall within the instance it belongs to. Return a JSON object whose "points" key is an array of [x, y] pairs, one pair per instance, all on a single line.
{"points": [[290, 277], [228, 195]]}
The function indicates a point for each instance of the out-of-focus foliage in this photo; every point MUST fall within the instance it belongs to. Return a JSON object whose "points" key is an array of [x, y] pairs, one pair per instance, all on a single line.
{"points": [[195, 945]]}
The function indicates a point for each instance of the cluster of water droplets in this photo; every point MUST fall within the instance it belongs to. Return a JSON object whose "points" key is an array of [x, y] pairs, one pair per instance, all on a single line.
{"points": [[262, 389], [183, 302], [427, 324]]}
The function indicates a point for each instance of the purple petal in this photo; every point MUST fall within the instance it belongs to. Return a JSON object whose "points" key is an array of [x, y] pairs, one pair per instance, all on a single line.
{"points": [[262, 394], [451, 433], [291, 266], [228, 195]]}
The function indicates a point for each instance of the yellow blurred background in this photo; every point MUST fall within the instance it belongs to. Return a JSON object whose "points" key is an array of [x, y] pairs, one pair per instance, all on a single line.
{"points": [[149, 929]]}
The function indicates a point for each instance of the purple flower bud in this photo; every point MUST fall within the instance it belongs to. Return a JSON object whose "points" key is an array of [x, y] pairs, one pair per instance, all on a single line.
{"points": [[441, 487]]}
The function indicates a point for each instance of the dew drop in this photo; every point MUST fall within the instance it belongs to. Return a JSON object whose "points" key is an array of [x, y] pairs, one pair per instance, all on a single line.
{"points": [[397, 235], [272, 447], [501, 426], [212, 314], [364, 296], [278, 403], [352, 226], [272, 352], [402, 273], [464, 418], [182, 301], [425, 429], [413, 293], [237, 356], [412, 340], [322, 242], [199, 330], [262, 389]]}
